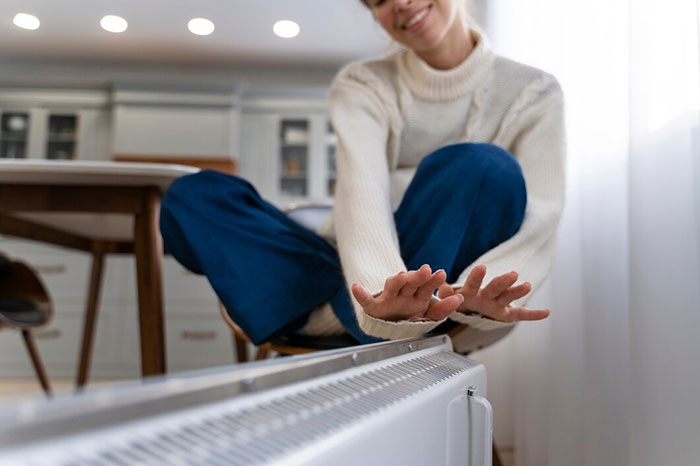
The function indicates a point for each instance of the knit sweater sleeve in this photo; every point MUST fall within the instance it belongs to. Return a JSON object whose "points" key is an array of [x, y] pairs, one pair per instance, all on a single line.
{"points": [[538, 143], [365, 231]]}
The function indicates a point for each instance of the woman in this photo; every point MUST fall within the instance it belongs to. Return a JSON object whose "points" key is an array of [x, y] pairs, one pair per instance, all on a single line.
{"points": [[412, 197]]}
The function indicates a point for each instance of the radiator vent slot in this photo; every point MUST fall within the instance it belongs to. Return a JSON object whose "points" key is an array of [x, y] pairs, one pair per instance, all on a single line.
{"points": [[259, 434]]}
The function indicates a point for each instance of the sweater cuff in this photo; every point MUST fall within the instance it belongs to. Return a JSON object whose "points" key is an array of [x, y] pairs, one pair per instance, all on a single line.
{"points": [[394, 330], [477, 321]]}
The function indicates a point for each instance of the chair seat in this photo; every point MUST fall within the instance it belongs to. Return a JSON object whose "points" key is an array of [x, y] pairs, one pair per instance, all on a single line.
{"points": [[20, 312], [5, 266], [316, 343]]}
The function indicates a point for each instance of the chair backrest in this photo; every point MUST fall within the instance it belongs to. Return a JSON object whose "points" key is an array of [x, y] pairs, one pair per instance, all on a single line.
{"points": [[310, 216], [24, 301]]}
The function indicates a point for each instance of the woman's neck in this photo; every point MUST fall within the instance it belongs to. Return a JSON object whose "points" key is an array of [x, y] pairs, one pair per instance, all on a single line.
{"points": [[454, 48]]}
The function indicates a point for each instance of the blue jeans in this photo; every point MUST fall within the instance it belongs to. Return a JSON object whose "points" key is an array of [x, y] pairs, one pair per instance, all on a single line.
{"points": [[270, 272]]}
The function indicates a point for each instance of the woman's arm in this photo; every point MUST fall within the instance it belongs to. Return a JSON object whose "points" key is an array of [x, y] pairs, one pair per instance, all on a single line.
{"points": [[538, 143], [363, 217]]}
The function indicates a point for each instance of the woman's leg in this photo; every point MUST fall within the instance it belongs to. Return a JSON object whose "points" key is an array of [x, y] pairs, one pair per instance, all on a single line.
{"points": [[464, 200], [268, 270]]}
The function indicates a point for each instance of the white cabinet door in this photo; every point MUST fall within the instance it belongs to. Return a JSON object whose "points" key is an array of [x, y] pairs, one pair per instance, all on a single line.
{"points": [[259, 146], [289, 157]]}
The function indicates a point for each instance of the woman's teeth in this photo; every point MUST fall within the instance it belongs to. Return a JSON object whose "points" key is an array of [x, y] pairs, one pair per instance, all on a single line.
{"points": [[416, 19]]}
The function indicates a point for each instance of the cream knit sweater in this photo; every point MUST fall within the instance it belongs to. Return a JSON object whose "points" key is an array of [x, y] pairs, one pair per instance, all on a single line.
{"points": [[389, 114]]}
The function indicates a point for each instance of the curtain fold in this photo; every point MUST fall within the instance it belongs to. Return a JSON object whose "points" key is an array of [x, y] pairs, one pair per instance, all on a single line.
{"points": [[613, 377]]}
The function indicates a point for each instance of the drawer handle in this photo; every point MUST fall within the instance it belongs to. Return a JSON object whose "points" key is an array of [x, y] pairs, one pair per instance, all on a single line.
{"points": [[50, 269], [48, 334], [193, 335]]}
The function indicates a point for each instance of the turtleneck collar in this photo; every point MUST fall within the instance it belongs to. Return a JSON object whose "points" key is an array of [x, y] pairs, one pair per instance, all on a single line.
{"points": [[429, 83]]}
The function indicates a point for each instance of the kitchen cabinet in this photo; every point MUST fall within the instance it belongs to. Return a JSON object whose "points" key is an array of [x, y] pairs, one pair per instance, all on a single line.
{"points": [[54, 133], [289, 155], [151, 122]]}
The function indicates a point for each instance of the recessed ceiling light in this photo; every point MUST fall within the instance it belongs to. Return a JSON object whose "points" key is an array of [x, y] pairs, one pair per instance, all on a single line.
{"points": [[26, 21], [113, 23], [286, 29], [200, 26]]}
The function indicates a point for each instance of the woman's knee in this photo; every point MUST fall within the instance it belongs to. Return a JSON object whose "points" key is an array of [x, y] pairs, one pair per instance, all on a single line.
{"points": [[200, 186], [499, 167], [471, 155]]}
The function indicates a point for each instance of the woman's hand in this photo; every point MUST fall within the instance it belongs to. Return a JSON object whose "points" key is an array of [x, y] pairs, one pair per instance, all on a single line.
{"points": [[407, 295], [494, 299]]}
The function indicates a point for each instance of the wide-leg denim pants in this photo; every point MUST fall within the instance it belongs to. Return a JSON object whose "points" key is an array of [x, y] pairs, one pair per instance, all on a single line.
{"points": [[270, 272]]}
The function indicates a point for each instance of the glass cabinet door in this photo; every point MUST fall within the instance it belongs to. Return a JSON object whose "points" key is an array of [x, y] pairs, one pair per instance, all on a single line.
{"points": [[61, 140], [331, 141], [294, 153], [14, 135]]}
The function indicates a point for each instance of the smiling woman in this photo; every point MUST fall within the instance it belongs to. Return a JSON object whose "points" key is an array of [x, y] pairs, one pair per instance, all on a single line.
{"points": [[450, 174]]}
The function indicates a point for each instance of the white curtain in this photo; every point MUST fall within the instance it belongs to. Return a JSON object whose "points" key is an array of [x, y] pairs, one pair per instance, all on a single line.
{"points": [[613, 376]]}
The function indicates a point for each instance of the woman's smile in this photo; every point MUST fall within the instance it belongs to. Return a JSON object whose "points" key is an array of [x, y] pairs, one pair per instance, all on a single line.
{"points": [[417, 19]]}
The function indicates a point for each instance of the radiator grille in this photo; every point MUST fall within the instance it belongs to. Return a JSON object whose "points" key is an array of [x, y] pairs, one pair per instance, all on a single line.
{"points": [[268, 430]]}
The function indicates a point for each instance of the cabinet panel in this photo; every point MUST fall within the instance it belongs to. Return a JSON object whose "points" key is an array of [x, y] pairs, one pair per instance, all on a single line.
{"points": [[294, 155], [198, 343], [173, 130], [66, 273], [59, 344], [62, 136], [289, 157], [180, 287], [192, 342], [14, 135]]}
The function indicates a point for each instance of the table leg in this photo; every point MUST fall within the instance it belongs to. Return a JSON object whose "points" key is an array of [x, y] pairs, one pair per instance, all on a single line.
{"points": [[148, 248], [90, 317]]}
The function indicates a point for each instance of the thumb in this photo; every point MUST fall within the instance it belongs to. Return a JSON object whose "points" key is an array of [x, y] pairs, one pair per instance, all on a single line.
{"points": [[445, 307], [361, 295]]}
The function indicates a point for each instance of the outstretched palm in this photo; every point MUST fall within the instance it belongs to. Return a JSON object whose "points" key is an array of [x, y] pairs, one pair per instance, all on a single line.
{"points": [[493, 300], [408, 295]]}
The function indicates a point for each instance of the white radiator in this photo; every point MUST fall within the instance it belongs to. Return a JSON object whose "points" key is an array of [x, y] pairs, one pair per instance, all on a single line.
{"points": [[411, 402]]}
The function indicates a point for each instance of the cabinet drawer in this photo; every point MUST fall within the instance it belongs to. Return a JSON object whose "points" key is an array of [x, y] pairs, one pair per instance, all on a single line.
{"points": [[192, 342], [19, 247], [65, 275], [197, 343], [179, 285], [59, 344]]}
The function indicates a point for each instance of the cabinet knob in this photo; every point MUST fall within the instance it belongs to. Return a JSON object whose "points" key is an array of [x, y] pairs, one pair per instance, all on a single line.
{"points": [[198, 335], [48, 334], [51, 269]]}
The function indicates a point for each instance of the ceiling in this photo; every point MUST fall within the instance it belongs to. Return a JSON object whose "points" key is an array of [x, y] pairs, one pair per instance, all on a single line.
{"points": [[332, 32]]}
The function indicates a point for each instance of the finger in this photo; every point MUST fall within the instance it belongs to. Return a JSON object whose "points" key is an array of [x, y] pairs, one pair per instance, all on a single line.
{"points": [[361, 295], [516, 314], [499, 284], [426, 291], [445, 307], [393, 285], [513, 293], [473, 284], [416, 278], [445, 290]]}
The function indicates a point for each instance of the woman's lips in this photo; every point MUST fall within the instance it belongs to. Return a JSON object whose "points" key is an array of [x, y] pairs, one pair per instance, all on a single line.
{"points": [[417, 20]]}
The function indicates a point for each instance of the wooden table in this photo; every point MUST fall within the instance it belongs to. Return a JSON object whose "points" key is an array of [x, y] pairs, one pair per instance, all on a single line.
{"points": [[73, 204]]}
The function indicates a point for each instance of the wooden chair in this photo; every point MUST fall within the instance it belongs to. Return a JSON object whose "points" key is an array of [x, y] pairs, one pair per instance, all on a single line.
{"points": [[24, 305]]}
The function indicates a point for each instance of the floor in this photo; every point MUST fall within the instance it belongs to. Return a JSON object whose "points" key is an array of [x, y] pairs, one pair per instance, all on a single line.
{"points": [[12, 388]]}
